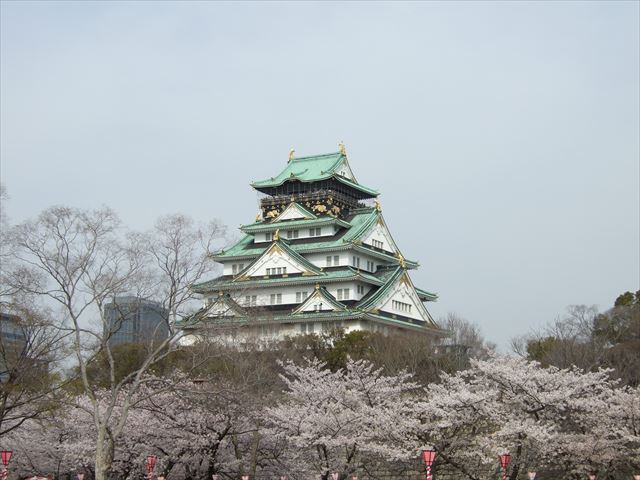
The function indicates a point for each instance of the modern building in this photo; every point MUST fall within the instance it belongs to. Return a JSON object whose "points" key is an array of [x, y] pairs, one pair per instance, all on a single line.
{"points": [[131, 319], [13, 342], [318, 256]]}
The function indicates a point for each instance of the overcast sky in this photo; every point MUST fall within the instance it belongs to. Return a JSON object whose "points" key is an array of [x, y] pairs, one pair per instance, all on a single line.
{"points": [[503, 136]]}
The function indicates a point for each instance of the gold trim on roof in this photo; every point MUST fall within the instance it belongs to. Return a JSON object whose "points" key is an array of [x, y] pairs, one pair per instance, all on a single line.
{"points": [[291, 152], [342, 148]]}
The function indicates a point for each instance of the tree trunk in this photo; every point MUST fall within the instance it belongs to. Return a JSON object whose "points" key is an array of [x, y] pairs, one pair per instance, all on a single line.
{"points": [[104, 455]]}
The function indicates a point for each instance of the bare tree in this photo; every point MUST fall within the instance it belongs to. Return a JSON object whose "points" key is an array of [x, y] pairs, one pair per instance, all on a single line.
{"points": [[466, 334], [180, 253], [84, 260]]}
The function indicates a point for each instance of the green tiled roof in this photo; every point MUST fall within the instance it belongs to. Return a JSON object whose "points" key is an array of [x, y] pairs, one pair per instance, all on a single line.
{"points": [[260, 227], [312, 169], [428, 296], [196, 320], [324, 293], [360, 223], [370, 301], [347, 273]]}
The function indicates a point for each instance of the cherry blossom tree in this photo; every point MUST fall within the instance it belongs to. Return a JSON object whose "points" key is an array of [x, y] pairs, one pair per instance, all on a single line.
{"points": [[341, 421], [545, 417]]}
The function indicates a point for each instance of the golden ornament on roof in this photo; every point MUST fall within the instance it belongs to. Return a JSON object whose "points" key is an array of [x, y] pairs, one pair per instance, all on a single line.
{"points": [[401, 260], [291, 152], [342, 148], [377, 205], [317, 286], [276, 234], [258, 217]]}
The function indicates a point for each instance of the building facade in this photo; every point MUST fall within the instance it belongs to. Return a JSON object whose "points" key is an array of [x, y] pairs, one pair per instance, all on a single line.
{"points": [[134, 320], [13, 343], [318, 256]]}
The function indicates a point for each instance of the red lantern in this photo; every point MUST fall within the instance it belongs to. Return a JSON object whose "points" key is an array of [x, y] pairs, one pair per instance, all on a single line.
{"points": [[505, 458], [6, 457], [428, 456], [151, 464]]}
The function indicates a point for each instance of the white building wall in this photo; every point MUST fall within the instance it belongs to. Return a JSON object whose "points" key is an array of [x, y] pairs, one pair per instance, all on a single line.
{"points": [[380, 237], [303, 232], [347, 258], [288, 293]]}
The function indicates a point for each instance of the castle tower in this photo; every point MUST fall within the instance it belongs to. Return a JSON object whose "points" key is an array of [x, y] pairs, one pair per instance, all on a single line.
{"points": [[318, 256]]}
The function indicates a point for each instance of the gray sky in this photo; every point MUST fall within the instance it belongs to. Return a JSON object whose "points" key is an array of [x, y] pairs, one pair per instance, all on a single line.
{"points": [[503, 136]]}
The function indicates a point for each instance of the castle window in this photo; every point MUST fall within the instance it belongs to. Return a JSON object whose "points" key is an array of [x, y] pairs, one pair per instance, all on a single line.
{"points": [[234, 269], [377, 244], [343, 294], [315, 232], [275, 299], [401, 306], [336, 260], [328, 260]]}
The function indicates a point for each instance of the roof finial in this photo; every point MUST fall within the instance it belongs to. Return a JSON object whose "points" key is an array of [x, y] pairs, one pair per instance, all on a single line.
{"points": [[342, 148], [276, 234], [377, 205], [401, 260], [291, 152], [317, 286]]}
